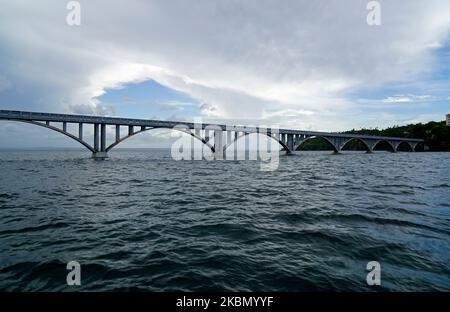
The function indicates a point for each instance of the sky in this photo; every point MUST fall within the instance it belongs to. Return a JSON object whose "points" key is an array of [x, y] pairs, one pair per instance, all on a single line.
{"points": [[312, 65]]}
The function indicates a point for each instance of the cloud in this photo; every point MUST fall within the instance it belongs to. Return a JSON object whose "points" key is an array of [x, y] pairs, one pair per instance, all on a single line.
{"points": [[288, 113], [292, 64], [408, 98], [207, 109], [175, 106], [435, 45]]}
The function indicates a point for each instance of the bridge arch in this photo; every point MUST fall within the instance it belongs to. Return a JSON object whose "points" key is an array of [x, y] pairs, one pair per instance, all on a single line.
{"points": [[405, 144], [419, 146], [358, 140], [335, 149], [85, 144], [147, 129], [283, 145], [391, 147]]}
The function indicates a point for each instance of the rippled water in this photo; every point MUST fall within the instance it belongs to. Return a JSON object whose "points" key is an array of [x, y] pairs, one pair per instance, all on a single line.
{"points": [[141, 221]]}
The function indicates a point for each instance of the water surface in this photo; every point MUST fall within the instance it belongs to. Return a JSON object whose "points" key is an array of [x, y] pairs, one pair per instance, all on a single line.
{"points": [[142, 221]]}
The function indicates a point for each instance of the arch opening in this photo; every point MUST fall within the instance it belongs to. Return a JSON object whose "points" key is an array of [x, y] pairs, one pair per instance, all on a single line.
{"points": [[270, 137], [316, 143], [404, 147], [420, 147], [85, 144], [355, 144], [112, 145], [383, 145]]}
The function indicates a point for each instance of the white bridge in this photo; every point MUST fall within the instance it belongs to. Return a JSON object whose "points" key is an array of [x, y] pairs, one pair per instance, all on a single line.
{"points": [[212, 135]]}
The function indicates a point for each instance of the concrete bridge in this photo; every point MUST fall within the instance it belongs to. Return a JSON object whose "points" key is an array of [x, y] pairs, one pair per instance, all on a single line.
{"points": [[212, 135]]}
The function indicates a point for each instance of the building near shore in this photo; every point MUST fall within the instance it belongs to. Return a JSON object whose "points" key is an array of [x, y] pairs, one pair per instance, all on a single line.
{"points": [[448, 120]]}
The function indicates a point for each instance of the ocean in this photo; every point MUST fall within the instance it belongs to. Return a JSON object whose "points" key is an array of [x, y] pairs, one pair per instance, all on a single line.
{"points": [[141, 221]]}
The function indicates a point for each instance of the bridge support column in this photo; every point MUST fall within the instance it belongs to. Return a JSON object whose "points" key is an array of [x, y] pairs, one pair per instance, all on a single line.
{"points": [[100, 155], [103, 138], [197, 146], [252, 141], [80, 131], [99, 149], [117, 133], [206, 135], [337, 146], [228, 143], [336, 142], [218, 144], [290, 143], [296, 140], [394, 146], [235, 145], [370, 145], [96, 126]]}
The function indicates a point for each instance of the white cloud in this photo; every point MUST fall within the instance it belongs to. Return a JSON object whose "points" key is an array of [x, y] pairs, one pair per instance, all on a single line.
{"points": [[408, 98], [288, 113], [176, 106], [290, 63], [435, 45]]}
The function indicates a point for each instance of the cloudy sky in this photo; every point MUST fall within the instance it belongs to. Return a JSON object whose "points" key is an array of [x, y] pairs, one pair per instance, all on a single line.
{"points": [[298, 64]]}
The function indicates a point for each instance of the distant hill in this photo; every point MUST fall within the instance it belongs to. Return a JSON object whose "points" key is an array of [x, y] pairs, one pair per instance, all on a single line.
{"points": [[435, 134]]}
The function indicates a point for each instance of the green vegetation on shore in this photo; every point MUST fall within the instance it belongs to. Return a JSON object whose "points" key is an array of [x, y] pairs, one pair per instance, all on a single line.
{"points": [[435, 134]]}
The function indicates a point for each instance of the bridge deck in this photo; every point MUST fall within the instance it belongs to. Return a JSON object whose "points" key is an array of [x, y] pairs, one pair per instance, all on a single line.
{"points": [[69, 118]]}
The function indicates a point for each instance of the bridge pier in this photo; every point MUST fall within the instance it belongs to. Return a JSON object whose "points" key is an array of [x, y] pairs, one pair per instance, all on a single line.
{"points": [[117, 133], [100, 155], [80, 131], [96, 134], [103, 138], [99, 142], [290, 143], [218, 144]]}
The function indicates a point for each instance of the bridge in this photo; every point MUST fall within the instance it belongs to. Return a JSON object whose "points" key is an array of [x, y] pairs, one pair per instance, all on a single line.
{"points": [[212, 135]]}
